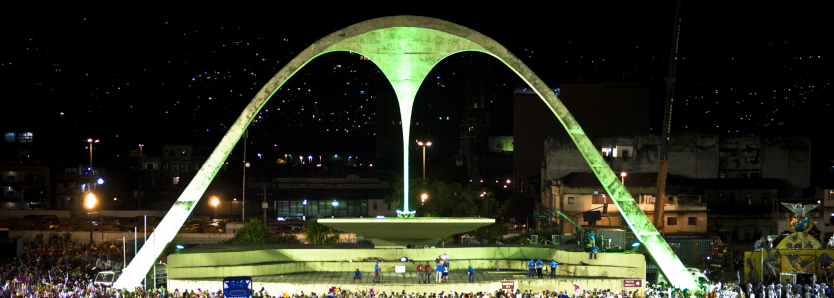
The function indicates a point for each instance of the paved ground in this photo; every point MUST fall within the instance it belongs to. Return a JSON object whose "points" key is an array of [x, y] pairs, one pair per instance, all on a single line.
{"points": [[455, 276]]}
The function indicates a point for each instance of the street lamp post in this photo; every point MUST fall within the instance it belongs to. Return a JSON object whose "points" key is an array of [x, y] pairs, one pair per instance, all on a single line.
{"points": [[423, 199], [334, 204], [424, 145], [91, 199], [91, 141], [245, 165], [622, 178], [140, 149], [90, 203], [214, 202], [304, 210]]}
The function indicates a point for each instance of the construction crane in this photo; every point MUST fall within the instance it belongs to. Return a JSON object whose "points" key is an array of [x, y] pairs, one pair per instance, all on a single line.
{"points": [[578, 227], [660, 198]]}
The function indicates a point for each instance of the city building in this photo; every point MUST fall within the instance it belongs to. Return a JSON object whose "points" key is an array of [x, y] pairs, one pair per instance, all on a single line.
{"points": [[71, 183], [692, 155], [350, 196], [603, 110], [732, 182], [576, 193], [25, 187], [162, 178]]}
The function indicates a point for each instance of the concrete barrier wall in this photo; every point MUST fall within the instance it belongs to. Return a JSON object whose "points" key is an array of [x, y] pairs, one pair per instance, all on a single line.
{"points": [[285, 261], [536, 285], [356, 255]]}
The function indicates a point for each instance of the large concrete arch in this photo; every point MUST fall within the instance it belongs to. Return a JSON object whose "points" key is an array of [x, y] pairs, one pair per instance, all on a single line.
{"points": [[406, 48]]}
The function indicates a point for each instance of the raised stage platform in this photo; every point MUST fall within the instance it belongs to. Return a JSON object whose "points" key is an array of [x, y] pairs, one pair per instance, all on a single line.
{"points": [[311, 268]]}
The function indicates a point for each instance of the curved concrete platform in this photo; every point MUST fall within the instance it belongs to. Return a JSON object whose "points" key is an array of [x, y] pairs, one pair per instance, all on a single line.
{"points": [[400, 232], [260, 260]]}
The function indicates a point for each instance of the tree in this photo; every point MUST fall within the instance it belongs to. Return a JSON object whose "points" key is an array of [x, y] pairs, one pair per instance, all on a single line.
{"points": [[317, 233], [520, 206], [445, 200], [490, 234], [254, 232]]}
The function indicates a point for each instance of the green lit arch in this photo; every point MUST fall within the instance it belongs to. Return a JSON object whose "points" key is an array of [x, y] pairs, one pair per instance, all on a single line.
{"points": [[406, 48]]}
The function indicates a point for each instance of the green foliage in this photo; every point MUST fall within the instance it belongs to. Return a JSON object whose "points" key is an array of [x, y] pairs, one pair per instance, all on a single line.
{"points": [[446, 200], [520, 206], [317, 233], [254, 232], [490, 234]]}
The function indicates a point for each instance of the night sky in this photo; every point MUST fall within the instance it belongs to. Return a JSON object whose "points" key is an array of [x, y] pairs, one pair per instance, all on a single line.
{"points": [[147, 75]]}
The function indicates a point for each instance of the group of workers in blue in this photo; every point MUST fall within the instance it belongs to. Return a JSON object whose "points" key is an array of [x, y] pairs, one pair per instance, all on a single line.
{"points": [[593, 245], [441, 269], [535, 267]]}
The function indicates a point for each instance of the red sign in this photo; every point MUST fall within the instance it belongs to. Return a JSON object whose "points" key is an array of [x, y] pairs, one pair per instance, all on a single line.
{"points": [[507, 285], [632, 283]]}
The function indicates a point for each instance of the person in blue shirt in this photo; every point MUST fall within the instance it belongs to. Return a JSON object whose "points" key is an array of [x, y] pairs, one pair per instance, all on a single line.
{"points": [[539, 267], [553, 265], [530, 266], [357, 275], [471, 274], [439, 269], [376, 271], [593, 254]]}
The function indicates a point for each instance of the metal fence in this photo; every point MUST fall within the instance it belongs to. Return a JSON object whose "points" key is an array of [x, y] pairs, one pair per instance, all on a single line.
{"points": [[690, 251], [614, 239]]}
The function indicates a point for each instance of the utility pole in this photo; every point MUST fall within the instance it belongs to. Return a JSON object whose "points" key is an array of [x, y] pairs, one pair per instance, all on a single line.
{"points": [[264, 206], [660, 198], [245, 165]]}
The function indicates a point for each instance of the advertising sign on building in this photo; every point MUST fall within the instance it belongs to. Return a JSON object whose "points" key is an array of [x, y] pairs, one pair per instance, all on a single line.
{"points": [[632, 283], [507, 285]]}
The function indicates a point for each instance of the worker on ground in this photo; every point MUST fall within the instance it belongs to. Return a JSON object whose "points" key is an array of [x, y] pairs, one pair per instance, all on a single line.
{"points": [[539, 267], [553, 265]]}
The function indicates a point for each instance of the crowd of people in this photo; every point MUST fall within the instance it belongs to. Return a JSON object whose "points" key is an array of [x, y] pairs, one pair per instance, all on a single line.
{"points": [[61, 270], [717, 290], [336, 292], [68, 271]]}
